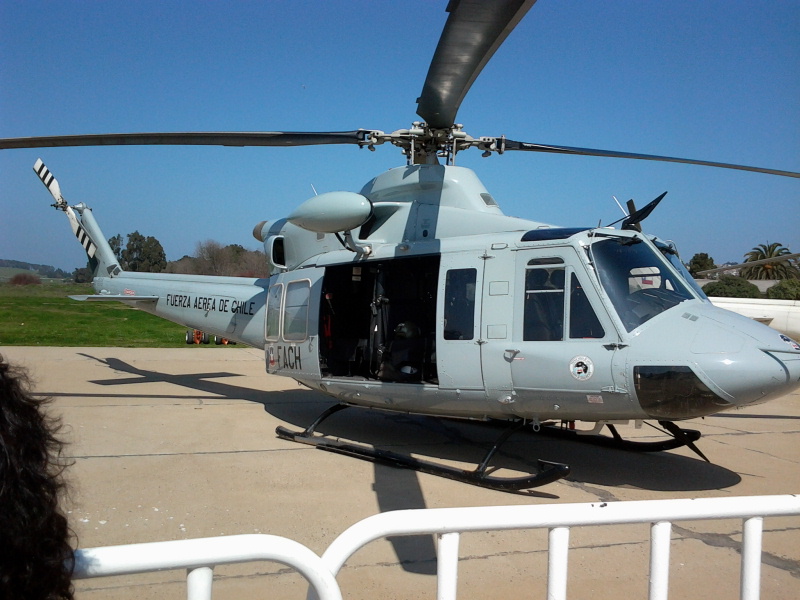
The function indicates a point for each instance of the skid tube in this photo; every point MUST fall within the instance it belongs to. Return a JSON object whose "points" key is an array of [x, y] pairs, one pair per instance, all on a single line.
{"points": [[680, 437], [480, 476]]}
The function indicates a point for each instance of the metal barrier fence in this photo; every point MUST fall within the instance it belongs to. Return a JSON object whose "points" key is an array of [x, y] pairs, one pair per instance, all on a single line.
{"points": [[200, 556], [448, 524]]}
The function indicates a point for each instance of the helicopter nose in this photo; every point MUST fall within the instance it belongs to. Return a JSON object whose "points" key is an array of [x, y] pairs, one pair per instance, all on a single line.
{"points": [[729, 361], [747, 362]]}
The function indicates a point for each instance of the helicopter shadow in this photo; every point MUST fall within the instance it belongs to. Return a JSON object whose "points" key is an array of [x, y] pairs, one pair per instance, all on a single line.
{"points": [[444, 440], [655, 471], [200, 382], [451, 440]]}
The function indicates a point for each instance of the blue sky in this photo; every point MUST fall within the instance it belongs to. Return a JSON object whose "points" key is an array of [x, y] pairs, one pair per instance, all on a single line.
{"points": [[715, 80]]}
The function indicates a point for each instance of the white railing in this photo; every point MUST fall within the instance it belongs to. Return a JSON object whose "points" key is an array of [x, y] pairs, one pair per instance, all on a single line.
{"points": [[199, 556], [448, 523]]}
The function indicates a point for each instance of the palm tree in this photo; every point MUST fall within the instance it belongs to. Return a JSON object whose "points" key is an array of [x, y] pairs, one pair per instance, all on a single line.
{"points": [[780, 269]]}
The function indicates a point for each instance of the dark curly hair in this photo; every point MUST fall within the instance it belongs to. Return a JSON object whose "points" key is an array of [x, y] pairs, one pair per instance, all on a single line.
{"points": [[36, 559]]}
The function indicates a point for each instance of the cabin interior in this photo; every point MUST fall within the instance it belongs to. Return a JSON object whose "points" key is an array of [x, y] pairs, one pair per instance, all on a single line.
{"points": [[378, 320]]}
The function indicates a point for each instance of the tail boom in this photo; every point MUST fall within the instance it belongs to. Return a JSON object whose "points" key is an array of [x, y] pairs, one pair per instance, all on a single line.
{"points": [[230, 307]]}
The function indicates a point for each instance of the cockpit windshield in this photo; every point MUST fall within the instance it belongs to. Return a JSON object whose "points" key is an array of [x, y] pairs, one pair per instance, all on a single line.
{"points": [[671, 254], [636, 279]]}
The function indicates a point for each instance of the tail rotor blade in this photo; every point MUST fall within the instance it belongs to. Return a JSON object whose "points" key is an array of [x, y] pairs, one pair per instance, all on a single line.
{"points": [[51, 183], [83, 236], [49, 180]]}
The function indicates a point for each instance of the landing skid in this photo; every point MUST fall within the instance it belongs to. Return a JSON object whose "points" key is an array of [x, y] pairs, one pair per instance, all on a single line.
{"points": [[480, 476], [680, 438]]}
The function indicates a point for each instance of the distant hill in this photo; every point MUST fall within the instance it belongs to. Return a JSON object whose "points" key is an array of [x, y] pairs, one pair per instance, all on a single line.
{"points": [[8, 268]]}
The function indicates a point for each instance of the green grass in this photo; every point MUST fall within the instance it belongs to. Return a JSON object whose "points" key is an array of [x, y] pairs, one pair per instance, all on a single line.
{"points": [[8, 272], [43, 315]]}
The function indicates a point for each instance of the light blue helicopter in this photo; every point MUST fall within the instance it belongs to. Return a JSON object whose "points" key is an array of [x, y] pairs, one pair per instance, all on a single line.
{"points": [[418, 295]]}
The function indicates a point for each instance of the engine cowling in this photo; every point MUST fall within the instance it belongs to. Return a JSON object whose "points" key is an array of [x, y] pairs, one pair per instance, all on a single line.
{"points": [[332, 212]]}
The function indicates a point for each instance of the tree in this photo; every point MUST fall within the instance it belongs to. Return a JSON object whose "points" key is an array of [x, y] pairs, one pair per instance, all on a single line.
{"points": [[252, 263], [116, 247], [783, 269], [144, 254], [785, 289], [701, 262], [82, 275], [729, 286], [212, 258]]}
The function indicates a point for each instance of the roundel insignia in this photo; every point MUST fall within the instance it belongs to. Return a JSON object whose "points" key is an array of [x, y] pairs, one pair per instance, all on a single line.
{"points": [[581, 368]]}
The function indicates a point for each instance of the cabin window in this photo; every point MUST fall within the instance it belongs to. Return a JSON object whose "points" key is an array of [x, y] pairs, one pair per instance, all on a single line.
{"points": [[583, 321], [274, 311], [543, 319], [459, 304], [295, 311]]}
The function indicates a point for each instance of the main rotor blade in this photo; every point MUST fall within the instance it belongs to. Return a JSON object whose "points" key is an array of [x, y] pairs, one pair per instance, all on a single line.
{"points": [[262, 138], [473, 32], [530, 147]]}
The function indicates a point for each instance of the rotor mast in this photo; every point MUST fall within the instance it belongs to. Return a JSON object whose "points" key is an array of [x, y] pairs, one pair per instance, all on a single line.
{"points": [[474, 30]]}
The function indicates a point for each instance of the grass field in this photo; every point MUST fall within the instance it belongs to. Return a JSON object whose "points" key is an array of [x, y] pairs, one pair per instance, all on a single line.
{"points": [[43, 315], [7, 273]]}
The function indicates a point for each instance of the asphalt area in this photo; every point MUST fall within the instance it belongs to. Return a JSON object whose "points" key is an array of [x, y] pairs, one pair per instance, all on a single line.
{"points": [[180, 443]]}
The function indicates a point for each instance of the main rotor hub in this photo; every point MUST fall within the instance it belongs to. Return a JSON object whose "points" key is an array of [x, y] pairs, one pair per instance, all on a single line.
{"points": [[422, 144]]}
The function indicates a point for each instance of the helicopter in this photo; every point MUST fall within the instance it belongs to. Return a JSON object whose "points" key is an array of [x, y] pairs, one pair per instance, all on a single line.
{"points": [[418, 295]]}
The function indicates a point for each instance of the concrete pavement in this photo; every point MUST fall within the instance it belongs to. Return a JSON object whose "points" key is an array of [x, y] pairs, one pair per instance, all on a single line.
{"points": [[180, 443]]}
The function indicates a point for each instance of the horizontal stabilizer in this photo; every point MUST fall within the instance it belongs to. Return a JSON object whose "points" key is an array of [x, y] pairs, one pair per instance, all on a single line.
{"points": [[115, 297]]}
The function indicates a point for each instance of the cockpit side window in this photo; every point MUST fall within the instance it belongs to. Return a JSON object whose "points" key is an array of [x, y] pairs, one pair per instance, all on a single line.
{"points": [[583, 321], [671, 254]]}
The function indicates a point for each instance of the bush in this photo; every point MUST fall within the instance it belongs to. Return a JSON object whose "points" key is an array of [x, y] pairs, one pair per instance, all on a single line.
{"points": [[25, 279], [786, 289], [82, 275], [729, 286]]}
